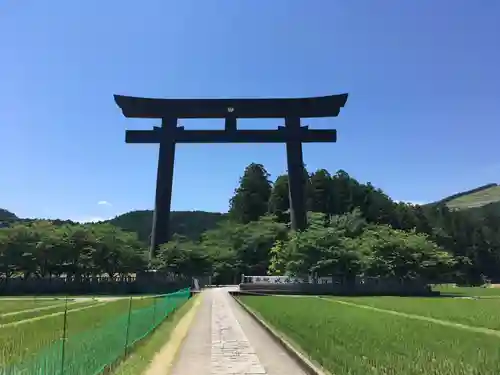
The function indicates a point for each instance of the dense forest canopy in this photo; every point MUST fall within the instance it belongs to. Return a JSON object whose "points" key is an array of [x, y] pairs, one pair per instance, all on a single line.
{"points": [[190, 224], [354, 229]]}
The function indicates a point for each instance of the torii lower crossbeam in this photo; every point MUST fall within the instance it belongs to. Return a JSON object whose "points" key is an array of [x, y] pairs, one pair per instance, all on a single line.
{"points": [[282, 135]]}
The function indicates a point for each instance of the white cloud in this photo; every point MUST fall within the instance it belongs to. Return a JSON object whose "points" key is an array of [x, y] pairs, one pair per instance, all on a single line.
{"points": [[104, 203]]}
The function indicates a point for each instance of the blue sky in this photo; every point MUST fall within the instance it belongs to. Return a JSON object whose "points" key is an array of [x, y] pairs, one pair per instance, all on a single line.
{"points": [[421, 121]]}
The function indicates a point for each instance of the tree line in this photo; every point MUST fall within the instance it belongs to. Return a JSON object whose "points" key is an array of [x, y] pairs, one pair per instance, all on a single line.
{"points": [[354, 229], [466, 241], [44, 249]]}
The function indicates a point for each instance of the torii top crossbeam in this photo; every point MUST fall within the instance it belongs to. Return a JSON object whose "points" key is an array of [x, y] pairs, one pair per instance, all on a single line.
{"points": [[322, 106]]}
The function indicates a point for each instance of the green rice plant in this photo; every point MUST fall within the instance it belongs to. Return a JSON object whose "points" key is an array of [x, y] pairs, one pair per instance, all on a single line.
{"points": [[465, 291], [17, 342], [350, 340], [9, 305], [85, 342], [21, 315], [474, 312], [21, 342]]}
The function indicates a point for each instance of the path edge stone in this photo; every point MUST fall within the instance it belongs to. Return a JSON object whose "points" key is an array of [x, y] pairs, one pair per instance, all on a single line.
{"points": [[308, 365]]}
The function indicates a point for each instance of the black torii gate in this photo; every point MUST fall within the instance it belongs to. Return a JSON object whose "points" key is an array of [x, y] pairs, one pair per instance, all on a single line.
{"points": [[292, 110]]}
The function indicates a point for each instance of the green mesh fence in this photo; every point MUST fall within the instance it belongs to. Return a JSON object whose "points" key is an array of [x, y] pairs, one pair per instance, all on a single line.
{"points": [[92, 351]]}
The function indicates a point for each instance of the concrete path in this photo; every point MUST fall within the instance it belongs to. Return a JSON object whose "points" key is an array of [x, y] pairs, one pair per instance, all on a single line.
{"points": [[225, 340]]}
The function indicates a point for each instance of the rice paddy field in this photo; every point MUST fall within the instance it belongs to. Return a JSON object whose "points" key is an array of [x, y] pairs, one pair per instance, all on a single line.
{"points": [[29, 325], [450, 290], [483, 313], [32, 329], [389, 335]]}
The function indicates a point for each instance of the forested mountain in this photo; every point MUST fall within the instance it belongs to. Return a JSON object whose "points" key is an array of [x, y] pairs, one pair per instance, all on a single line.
{"points": [[6, 215], [354, 229], [478, 202], [478, 197], [190, 224]]}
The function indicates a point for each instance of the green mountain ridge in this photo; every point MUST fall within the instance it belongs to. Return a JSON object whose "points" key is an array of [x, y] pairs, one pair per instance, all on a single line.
{"points": [[192, 224], [254, 237], [481, 201], [6, 215], [474, 198]]}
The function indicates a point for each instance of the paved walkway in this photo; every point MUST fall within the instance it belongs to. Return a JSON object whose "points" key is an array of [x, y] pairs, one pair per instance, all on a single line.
{"points": [[225, 340]]}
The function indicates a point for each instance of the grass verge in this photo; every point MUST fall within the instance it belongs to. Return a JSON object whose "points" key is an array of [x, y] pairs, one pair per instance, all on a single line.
{"points": [[347, 340], [144, 352]]}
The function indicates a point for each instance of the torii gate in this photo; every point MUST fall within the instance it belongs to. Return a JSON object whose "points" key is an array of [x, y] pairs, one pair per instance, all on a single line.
{"points": [[292, 110]]}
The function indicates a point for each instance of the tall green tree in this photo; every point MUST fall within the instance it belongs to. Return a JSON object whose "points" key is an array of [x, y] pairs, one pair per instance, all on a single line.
{"points": [[344, 192], [279, 201], [251, 198], [321, 194], [403, 254], [184, 257]]}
